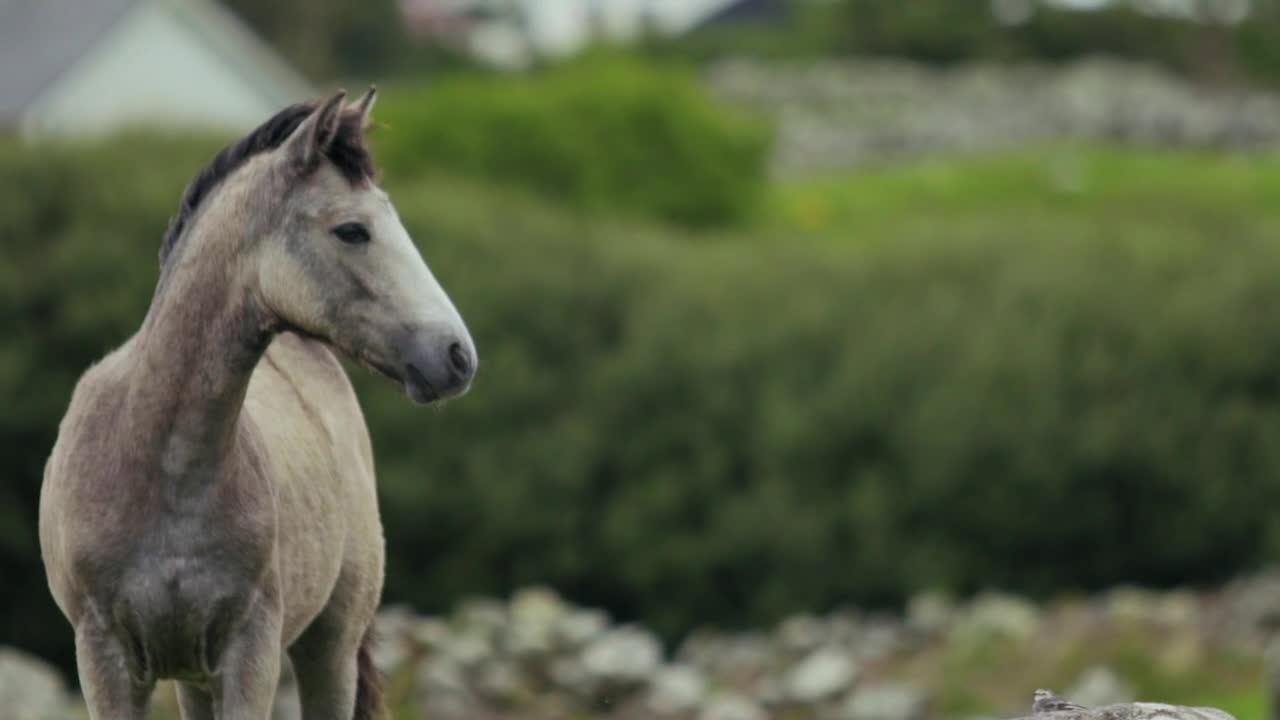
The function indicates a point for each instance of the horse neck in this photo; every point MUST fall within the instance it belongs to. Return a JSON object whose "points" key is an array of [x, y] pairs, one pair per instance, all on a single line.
{"points": [[194, 356]]}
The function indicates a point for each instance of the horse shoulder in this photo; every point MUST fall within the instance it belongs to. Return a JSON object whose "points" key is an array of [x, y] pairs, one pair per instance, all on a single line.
{"points": [[302, 404], [72, 471]]}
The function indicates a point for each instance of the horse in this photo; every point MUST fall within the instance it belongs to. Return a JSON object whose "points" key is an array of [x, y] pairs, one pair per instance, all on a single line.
{"points": [[209, 504]]}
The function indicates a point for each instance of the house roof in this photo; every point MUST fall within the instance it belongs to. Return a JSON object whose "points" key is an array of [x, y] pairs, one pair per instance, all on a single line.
{"points": [[239, 45], [42, 39], [681, 16]]}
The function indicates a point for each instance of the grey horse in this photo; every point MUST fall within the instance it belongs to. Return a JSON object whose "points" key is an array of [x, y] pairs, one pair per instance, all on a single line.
{"points": [[210, 502]]}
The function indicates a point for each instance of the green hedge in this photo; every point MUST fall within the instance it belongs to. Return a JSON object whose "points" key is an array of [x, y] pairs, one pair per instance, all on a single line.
{"points": [[602, 133], [729, 430]]}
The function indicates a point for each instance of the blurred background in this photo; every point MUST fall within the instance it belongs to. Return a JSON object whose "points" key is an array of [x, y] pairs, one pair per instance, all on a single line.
{"points": [[841, 359]]}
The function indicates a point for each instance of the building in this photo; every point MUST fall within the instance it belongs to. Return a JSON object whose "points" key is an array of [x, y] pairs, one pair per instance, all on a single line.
{"points": [[83, 67], [512, 32]]}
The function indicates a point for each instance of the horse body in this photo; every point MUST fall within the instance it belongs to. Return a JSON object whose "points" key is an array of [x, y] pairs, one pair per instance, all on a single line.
{"points": [[170, 570], [210, 502]]}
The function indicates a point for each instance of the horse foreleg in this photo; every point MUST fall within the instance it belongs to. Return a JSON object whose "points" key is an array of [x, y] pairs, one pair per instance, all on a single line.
{"points": [[324, 663], [109, 689], [249, 669]]}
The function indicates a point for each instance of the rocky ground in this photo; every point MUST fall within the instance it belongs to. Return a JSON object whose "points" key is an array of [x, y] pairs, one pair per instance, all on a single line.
{"points": [[837, 115], [537, 656]]}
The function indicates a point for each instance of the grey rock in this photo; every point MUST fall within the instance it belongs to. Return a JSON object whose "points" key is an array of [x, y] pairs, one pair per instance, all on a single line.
{"points": [[1249, 609], [1136, 711], [879, 638], [802, 633], [626, 655], [1132, 606], [1101, 686], [443, 691], [468, 648], [30, 689], [431, 634], [728, 657], [567, 673], [676, 690], [500, 681], [732, 707], [823, 674], [885, 702], [845, 628], [578, 627], [998, 615], [395, 634], [534, 615]]}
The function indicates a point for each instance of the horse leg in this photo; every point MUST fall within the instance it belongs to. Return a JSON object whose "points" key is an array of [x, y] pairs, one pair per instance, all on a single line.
{"points": [[109, 689], [250, 669], [324, 663], [195, 703]]}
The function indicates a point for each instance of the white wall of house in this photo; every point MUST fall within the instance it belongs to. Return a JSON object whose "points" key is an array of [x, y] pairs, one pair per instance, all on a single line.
{"points": [[562, 27], [151, 68]]}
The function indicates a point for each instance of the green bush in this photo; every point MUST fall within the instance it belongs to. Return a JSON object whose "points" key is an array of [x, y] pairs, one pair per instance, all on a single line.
{"points": [[601, 133], [729, 430]]}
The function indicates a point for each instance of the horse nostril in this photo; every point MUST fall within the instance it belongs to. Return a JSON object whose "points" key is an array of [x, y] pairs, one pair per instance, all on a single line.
{"points": [[459, 360]]}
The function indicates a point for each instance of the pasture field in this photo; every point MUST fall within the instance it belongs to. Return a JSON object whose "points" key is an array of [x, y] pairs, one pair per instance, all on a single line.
{"points": [[899, 373]]}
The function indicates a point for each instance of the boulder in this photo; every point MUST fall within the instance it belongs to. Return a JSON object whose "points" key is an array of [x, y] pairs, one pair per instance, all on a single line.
{"points": [[443, 691], [1100, 686], [1135, 711], [534, 618], [623, 656], [823, 674], [30, 688], [801, 634], [1000, 616], [676, 690], [577, 627], [732, 707], [885, 702]]}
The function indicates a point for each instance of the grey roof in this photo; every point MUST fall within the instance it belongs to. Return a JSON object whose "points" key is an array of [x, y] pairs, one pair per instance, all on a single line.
{"points": [[41, 39]]}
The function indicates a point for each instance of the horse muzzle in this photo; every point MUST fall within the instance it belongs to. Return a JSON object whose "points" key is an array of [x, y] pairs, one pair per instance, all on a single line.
{"points": [[436, 365]]}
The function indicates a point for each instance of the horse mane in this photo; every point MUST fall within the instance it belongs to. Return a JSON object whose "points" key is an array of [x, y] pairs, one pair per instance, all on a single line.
{"points": [[347, 152]]}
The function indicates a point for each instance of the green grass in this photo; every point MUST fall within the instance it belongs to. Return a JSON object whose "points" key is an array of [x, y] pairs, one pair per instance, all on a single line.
{"points": [[1062, 190], [996, 677]]}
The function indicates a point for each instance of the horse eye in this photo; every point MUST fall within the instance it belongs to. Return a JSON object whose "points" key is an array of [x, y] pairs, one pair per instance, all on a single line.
{"points": [[352, 233]]}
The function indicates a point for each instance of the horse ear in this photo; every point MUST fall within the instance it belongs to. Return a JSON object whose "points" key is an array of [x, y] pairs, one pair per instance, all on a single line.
{"points": [[311, 140], [364, 105]]}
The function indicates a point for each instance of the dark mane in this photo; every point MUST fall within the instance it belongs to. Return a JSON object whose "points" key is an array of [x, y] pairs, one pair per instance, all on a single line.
{"points": [[347, 153]]}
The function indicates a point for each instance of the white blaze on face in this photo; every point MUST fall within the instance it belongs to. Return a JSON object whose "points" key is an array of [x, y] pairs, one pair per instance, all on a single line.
{"points": [[414, 289], [414, 331]]}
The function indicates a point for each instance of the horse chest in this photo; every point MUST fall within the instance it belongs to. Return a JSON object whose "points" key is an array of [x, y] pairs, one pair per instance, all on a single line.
{"points": [[174, 603], [167, 573]]}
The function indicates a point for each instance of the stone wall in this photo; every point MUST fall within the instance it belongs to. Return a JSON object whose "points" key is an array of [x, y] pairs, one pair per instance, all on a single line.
{"points": [[538, 657], [833, 116]]}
